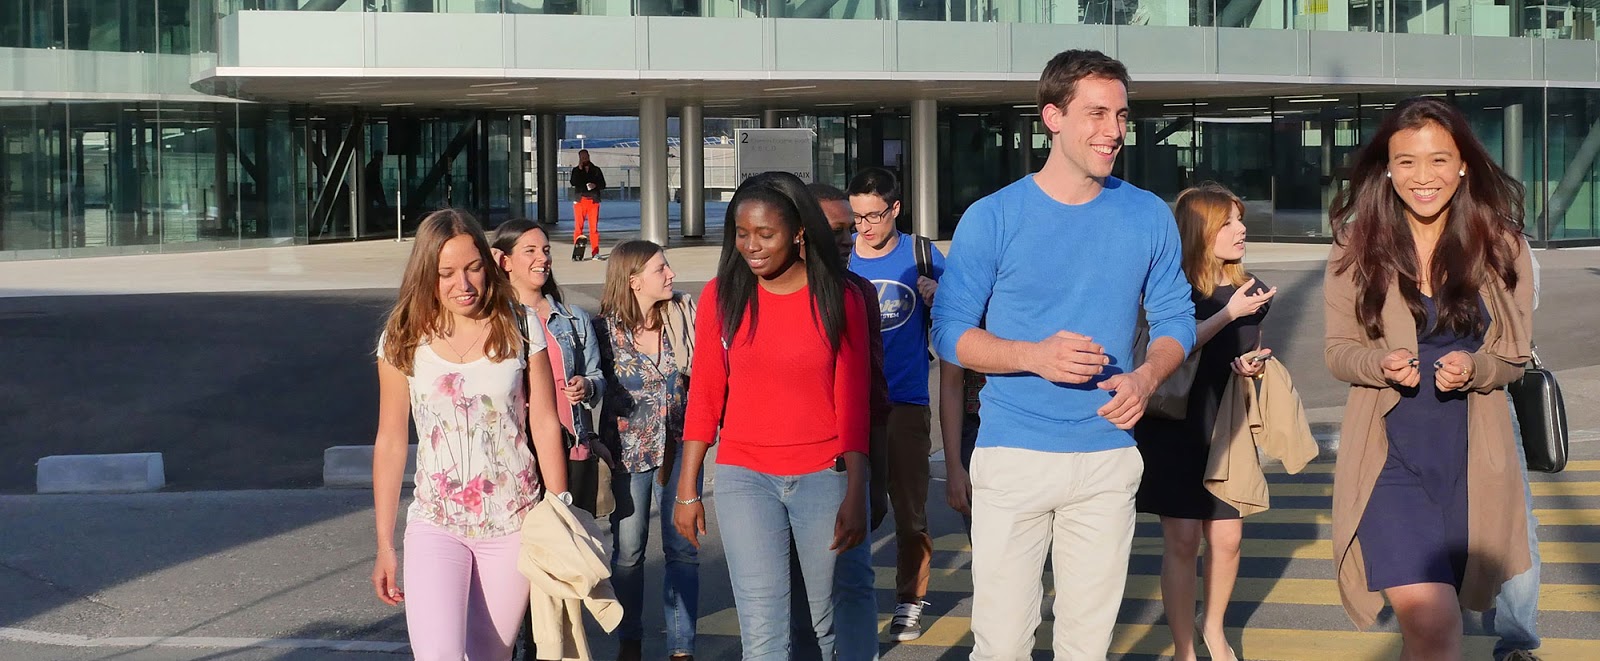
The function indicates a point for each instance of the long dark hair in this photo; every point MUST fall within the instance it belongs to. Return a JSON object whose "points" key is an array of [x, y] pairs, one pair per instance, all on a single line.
{"points": [[505, 239], [736, 283], [1369, 219]]}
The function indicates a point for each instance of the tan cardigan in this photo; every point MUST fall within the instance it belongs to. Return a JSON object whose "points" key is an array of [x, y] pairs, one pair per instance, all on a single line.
{"points": [[567, 571], [1497, 537], [1271, 419]]}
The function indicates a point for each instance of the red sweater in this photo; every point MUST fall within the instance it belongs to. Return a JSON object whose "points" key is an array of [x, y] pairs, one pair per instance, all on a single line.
{"points": [[787, 405]]}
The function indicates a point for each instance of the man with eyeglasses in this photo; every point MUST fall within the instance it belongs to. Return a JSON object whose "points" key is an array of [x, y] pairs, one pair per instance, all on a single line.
{"points": [[906, 283]]}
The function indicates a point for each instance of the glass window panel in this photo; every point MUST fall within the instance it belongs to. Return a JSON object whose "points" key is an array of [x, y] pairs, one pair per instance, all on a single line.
{"points": [[1235, 150], [33, 199], [1574, 156], [1162, 157], [33, 24], [1314, 138]]}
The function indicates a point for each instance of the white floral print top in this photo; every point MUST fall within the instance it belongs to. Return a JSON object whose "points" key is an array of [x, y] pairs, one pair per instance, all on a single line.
{"points": [[475, 471]]}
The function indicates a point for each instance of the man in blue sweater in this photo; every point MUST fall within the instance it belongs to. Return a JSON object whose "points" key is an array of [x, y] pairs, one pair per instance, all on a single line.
{"points": [[1057, 265]]}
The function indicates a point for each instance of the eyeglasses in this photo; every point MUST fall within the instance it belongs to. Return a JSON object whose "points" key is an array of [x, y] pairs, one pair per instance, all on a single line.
{"points": [[872, 218]]}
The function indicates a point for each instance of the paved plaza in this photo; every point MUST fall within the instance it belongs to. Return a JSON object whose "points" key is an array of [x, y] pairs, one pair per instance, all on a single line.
{"points": [[241, 367]]}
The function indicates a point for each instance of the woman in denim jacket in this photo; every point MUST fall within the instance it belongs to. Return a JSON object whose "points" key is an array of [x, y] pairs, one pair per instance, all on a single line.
{"points": [[523, 251]]}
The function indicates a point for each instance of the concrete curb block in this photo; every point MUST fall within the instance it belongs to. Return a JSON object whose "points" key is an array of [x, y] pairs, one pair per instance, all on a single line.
{"points": [[350, 466], [101, 473]]}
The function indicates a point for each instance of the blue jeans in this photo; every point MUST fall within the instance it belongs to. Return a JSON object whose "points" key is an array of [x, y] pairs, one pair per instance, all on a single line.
{"points": [[758, 515], [1515, 615], [855, 608], [630, 528]]}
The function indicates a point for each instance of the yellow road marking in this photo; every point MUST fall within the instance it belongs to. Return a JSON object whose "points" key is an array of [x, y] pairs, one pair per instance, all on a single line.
{"points": [[1326, 467], [1249, 642], [1539, 489], [1301, 591], [1315, 549]]}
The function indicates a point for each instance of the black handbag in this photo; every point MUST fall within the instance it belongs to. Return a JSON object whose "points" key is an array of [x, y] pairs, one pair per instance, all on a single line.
{"points": [[1541, 417]]}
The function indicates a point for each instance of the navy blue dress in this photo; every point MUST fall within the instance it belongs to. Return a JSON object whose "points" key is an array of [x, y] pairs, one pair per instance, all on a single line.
{"points": [[1175, 452], [1415, 527]]}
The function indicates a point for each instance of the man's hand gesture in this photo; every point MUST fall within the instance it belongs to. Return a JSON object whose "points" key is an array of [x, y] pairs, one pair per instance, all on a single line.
{"points": [[1068, 357]]}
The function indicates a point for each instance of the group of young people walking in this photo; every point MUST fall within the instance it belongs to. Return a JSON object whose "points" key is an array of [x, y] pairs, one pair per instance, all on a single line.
{"points": [[815, 343]]}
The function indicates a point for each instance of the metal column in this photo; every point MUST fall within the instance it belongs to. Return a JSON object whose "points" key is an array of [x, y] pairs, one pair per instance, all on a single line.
{"points": [[653, 169], [925, 167], [770, 119], [1511, 159], [692, 170], [549, 179]]}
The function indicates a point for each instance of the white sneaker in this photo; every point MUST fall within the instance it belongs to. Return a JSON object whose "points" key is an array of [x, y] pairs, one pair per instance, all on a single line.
{"points": [[907, 622]]}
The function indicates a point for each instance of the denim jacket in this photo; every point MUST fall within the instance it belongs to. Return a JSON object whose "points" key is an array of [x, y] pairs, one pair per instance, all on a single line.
{"points": [[574, 333]]}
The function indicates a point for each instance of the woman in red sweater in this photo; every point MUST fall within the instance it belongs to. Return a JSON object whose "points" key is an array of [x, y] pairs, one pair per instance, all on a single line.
{"points": [[781, 379]]}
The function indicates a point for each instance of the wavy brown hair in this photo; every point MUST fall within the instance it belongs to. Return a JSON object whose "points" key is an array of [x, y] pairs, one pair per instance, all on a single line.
{"points": [[1369, 220], [1201, 212], [418, 315], [617, 301]]}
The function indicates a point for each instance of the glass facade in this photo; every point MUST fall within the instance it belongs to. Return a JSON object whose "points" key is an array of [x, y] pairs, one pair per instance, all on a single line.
{"points": [[1555, 19], [84, 178], [94, 176], [1286, 157], [130, 26]]}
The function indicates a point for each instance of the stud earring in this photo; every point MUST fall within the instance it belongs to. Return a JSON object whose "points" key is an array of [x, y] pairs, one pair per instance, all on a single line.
{"points": [[1462, 173], [1388, 174]]}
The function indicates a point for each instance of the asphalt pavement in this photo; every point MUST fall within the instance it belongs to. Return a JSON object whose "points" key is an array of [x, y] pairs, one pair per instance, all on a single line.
{"points": [[245, 556]]}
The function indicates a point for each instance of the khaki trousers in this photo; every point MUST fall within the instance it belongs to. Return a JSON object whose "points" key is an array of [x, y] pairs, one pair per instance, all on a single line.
{"points": [[1076, 505]]}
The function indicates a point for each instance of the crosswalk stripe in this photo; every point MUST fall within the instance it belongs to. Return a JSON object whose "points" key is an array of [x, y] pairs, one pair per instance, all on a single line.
{"points": [[1300, 591], [1256, 642], [1539, 489], [1314, 549], [1324, 517], [1326, 468]]}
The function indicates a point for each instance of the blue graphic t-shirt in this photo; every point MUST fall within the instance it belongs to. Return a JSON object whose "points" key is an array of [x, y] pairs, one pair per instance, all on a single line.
{"points": [[905, 330]]}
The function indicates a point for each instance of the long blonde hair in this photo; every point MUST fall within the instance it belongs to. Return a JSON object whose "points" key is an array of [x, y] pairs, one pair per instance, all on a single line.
{"points": [[1201, 213], [417, 314], [617, 301]]}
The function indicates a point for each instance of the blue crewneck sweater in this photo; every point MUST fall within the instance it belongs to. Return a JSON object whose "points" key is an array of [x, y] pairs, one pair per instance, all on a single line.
{"points": [[1028, 266]]}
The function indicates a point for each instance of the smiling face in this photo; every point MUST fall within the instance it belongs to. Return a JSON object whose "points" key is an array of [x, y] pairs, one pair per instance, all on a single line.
{"points": [[764, 239], [461, 276], [1228, 244], [653, 283], [1089, 131], [528, 263], [1425, 169]]}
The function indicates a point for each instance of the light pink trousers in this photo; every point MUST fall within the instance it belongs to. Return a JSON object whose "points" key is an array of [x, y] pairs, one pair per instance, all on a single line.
{"points": [[464, 596]]}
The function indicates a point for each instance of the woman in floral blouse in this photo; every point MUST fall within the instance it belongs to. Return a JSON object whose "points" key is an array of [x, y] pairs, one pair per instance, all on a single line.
{"points": [[453, 358], [645, 351]]}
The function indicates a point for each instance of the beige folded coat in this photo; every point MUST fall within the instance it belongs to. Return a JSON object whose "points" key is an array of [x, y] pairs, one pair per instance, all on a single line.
{"points": [[567, 571]]}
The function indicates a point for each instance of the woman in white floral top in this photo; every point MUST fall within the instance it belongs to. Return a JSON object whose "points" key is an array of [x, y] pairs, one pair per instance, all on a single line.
{"points": [[452, 356], [645, 353]]}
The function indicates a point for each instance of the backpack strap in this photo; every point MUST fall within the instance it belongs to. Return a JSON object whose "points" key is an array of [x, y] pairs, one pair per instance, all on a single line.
{"points": [[923, 249]]}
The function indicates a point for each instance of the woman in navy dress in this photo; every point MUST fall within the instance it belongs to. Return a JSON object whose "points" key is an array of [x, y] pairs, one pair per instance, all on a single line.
{"points": [[1427, 246]]}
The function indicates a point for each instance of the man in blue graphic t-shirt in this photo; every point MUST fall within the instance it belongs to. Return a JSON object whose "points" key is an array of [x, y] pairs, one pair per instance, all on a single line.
{"points": [[906, 286]]}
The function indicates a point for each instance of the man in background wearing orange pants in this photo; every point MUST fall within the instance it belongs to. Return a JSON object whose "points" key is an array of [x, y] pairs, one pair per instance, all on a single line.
{"points": [[588, 181]]}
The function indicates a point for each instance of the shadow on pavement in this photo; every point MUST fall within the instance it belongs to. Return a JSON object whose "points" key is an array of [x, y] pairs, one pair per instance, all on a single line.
{"points": [[237, 390]]}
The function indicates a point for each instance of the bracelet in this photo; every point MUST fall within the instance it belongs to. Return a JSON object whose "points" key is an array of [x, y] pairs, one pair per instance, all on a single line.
{"points": [[690, 501]]}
